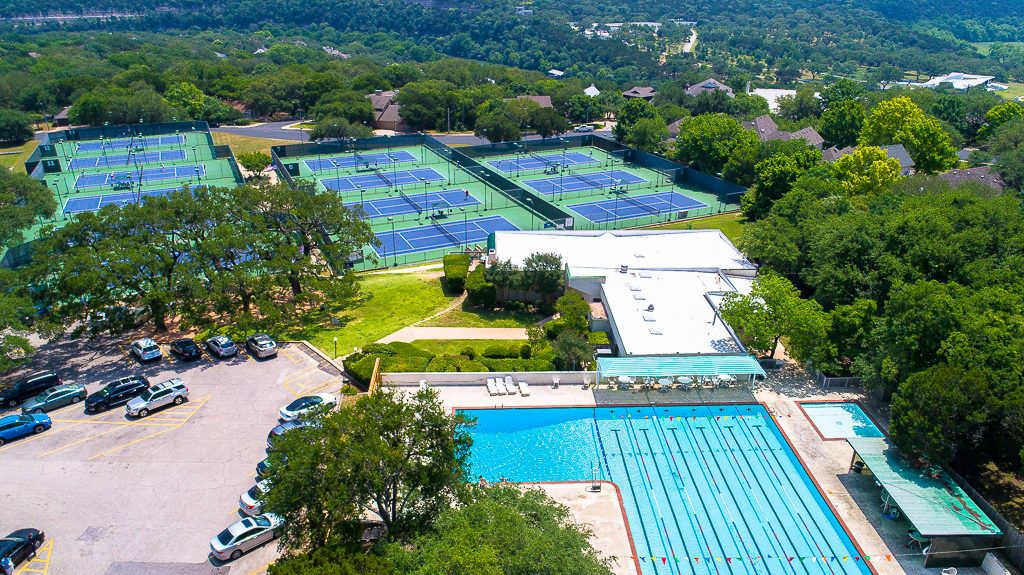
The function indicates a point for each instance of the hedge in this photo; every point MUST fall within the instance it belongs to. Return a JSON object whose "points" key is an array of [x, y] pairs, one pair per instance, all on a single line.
{"points": [[480, 291], [553, 328], [454, 363], [598, 338], [405, 357], [518, 364], [507, 351], [456, 268]]}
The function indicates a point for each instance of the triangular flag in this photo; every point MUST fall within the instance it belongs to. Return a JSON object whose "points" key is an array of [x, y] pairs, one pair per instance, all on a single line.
{"points": [[888, 557], [643, 559], [867, 558], [789, 559], [846, 557]]}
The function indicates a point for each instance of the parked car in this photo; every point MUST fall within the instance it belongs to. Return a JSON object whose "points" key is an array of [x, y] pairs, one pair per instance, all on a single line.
{"points": [[146, 349], [186, 348], [117, 392], [14, 426], [28, 386], [20, 547], [280, 430], [304, 405], [583, 128], [263, 467], [221, 346], [250, 502], [245, 535], [54, 397], [172, 391], [261, 346]]}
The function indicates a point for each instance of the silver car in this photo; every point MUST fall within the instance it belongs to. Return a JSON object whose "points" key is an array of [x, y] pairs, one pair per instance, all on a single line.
{"points": [[244, 536], [162, 394], [250, 502], [146, 349], [261, 346]]}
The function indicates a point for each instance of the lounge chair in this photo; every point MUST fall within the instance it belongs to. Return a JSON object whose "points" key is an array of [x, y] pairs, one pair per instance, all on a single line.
{"points": [[500, 385], [510, 386], [423, 384], [524, 389], [491, 388]]}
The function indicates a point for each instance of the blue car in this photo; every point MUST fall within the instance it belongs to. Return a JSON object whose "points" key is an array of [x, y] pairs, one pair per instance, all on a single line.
{"points": [[15, 426]]}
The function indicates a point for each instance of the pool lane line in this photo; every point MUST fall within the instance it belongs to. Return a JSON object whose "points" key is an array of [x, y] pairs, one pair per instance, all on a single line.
{"points": [[764, 494], [602, 453], [720, 501], [781, 489], [654, 499], [632, 491]]}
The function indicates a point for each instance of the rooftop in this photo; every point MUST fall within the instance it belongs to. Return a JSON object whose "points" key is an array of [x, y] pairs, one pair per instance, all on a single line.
{"points": [[640, 92], [958, 80], [708, 85], [981, 175]]}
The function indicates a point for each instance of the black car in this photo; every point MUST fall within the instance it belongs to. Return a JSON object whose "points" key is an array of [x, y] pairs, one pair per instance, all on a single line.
{"points": [[26, 387], [19, 547], [116, 393], [186, 348]]}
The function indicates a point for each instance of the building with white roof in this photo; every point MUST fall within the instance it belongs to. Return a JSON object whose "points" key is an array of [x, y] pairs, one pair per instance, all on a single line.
{"points": [[957, 80], [592, 91], [660, 290]]}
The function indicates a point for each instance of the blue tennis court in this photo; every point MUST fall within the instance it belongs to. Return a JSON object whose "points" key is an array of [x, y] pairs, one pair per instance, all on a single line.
{"points": [[93, 203], [709, 490], [537, 161], [127, 159], [629, 207], [381, 179], [440, 235], [356, 160], [580, 182], [126, 143], [417, 203], [143, 176]]}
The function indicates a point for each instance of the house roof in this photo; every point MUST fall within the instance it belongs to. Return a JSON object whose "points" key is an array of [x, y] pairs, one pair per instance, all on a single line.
{"points": [[673, 128], [900, 154], [542, 101], [982, 175], [390, 114], [592, 91], [809, 135], [640, 92], [708, 85], [381, 99], [765, 127], [832, 154], [63, 114], [958, 80]]}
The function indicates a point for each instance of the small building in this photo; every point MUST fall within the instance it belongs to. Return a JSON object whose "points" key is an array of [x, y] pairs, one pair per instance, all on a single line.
{"points": [[592, 91], [956, 80], [709, 85], [642, 92], [555, 73], [982, 175], [542, 101], [674, 127], [901, 155], [386, 111], [832, 154], [61, 119], [767, 130]]}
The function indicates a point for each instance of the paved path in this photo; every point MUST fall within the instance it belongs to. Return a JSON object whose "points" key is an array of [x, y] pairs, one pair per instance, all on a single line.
{"points": [[278, 131], [411, 333]]}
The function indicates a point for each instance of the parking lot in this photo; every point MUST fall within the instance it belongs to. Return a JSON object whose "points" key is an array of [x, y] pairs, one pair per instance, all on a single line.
{"points": [[123, 496]]}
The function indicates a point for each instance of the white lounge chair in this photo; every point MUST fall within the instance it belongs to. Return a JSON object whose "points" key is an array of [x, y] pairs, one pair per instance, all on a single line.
{"points": [[524, 389], [423, 384], [491, 388], [498, 383], [510, 386]]}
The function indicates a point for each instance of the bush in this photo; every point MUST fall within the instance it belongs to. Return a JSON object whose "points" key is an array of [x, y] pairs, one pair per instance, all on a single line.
{"points": [[404, 363], [598, 338], [468, 352], [456, 268], [361, 369], [554, 327], [502, 351], [349, 390], [454, 364], [525, 351], [505, 365], [403, 348], [480, 291], [397, 356]]}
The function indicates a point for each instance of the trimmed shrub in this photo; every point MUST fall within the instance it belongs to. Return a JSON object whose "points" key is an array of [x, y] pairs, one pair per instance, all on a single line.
{"points": [[349, 390], [456, 268], [480, 291], [361, 369], [402, 363], [404, 348], [553, 328], [503, 365], [502, 351], [598, 338], [468, 352], [454, 363], [525, 351]]}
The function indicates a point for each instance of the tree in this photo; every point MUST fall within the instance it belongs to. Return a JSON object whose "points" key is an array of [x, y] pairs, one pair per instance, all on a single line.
{"points": [[547, 122], [574, 310], [24, 201], [772, 310], [884, 75], [634, 110], [1011, 167], [841, 123], [773, 178], [402, 457], [866, 171], [497, 126], [707, 141], [648, 134], [15, 127], [901, 121], [502, 531], [332, 560], [803, 104], [254, 162], [1000, 114], [583, 108], [188, 97], [543, 274], [843, 90], [572, 349], [338, 128]]}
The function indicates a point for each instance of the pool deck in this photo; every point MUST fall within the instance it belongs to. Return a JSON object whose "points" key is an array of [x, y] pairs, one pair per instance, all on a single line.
{"points": [[853, 497]]}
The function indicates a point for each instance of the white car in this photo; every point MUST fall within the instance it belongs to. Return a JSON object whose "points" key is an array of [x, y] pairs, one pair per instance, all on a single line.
{"points": [[250, 502], [244, 536], [303, 405], [146, 349]]}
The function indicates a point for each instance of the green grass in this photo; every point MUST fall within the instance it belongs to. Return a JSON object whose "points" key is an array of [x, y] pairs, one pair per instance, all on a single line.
{"points": [[14, 158], [985, 47], [731, 225], [467, 316], [243, 144]]}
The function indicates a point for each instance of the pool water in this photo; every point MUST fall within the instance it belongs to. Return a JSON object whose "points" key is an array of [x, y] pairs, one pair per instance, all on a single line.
{"points": [[841, 420], [707, 489]]}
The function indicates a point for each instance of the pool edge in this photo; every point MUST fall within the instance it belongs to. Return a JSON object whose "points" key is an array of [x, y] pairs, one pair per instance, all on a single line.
{"points": [[800, 404]]}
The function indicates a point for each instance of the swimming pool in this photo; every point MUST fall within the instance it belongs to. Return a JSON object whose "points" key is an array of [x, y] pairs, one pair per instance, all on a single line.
{"points": [[836, 420], [707, 489]]}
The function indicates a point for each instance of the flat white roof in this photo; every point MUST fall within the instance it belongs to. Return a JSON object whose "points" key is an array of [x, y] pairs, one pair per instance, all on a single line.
{"points": [[682, 320], [959, 80], [772, 95]]}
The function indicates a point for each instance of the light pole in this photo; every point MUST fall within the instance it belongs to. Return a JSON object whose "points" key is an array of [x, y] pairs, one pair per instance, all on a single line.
{"points": [[465, 228], [394, 241], [335, 346]]}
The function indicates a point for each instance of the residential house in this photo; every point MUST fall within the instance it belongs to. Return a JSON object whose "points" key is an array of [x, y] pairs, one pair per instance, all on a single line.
{"points": [[900, 154], [592, 91], [542, 101], [709, 85], [767, 130], [386, 111], [674, 127], [643, 92], [981, 175]]}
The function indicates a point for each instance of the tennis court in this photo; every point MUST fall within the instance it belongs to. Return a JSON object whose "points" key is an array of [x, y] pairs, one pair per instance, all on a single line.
{"points": [[417, 203], [631, 207], [537, 161], [127, 159], [381, 179], [580, 182], [440, 235], [148, 175], [94, 203], [356, 159], [126, 143]]}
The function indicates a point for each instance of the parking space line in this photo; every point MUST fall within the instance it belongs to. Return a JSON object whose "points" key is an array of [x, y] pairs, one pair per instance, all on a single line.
{"points": [[39, 436], [79, 442], [202, 402], [43, 555], [261, 570], [101, 422]]}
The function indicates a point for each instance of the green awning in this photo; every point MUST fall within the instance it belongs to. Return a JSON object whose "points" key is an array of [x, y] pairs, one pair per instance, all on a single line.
{"points": [[936, 506], [661, 366]]}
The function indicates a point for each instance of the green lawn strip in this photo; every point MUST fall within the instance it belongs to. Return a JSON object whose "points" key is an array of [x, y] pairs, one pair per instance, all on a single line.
{"points": [[16, 161], [731, 225], [241, 144], [468, 316]]}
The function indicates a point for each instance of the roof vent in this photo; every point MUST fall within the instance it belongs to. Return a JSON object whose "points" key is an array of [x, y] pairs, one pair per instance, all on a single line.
{"points": [[639, 255], [623, 269], [633, 287], [649, 317], [638, 296], [655, 331], [650, 307], [644, 274]]}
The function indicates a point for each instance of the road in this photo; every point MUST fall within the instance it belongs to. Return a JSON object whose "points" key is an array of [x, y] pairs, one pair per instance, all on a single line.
{"points": [[277, 131]]}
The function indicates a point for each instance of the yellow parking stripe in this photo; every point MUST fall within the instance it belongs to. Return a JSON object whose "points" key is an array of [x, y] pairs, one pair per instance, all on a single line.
{"points": [[37, 437], [43, 555], [101, 422], [79, 442], [151, 435], [261, 570]]}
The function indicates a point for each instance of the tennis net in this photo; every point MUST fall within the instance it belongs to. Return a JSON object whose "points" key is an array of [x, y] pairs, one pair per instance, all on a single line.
{"points": [[411, 201], [455, 240], [546, 161], [381, 175], [594, 184], [649, 209]]}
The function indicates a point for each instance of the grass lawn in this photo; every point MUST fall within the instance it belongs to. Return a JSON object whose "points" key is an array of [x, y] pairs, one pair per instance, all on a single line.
{"points": [[985, 47], [14, 157], [243, 144], [469, 316], [455, 346], [731, 225]]}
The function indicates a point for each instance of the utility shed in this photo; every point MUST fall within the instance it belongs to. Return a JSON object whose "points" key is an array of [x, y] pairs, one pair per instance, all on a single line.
{"points": [[952, 529]]}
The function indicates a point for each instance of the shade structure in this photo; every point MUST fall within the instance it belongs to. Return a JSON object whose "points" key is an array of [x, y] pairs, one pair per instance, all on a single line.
{"points": [[693, 365]]}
